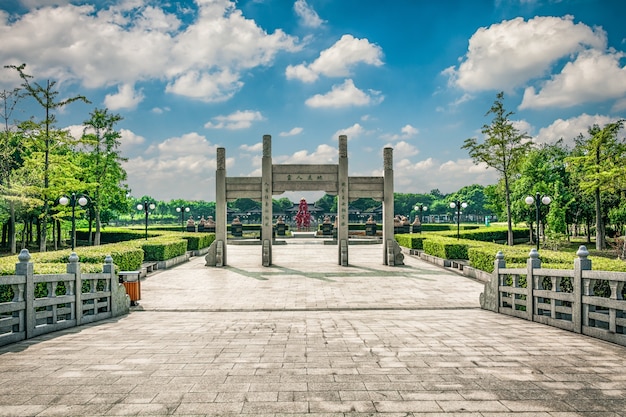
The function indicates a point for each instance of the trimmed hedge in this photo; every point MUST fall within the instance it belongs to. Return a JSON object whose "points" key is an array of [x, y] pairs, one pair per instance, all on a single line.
{"points": [[410, 241], [482, 255], [199, 241], [162, 250], [445, 248], [115, 234]]}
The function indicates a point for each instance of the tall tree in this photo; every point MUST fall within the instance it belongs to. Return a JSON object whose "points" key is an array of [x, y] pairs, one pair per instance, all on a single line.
{"points": [[503, 148], [598, 165], [103, 163], [46, 97], [8, 162]]}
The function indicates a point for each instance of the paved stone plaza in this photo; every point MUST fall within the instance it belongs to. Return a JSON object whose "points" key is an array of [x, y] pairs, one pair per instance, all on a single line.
{"points": [[307, 336]]}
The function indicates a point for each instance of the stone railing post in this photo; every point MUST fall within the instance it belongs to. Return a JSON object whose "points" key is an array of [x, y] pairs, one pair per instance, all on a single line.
{"points": [[532, 263], [73, 267], [490, 298], [581, 263], [25, 267], [120, 301]]}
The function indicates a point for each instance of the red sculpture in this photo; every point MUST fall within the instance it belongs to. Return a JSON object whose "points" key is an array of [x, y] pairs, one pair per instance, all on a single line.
{"points": [[303, 218]]}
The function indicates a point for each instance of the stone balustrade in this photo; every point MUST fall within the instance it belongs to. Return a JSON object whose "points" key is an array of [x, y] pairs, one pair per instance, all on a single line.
{"points": [[73, 298], [561, 298]]}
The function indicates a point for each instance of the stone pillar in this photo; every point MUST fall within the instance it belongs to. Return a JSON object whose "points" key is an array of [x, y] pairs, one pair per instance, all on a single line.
{"points": [[581, 263], [490, 298], [533, 262], [217, 251], [73, 267], [342, 202], [120, 301], [388, 237], [25, 267], [266, 201]]}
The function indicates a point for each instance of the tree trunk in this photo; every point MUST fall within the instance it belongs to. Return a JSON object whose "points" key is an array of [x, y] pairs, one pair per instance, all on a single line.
{"points": [[12, 236], [96, 240], [600, 244], [508, 212]]}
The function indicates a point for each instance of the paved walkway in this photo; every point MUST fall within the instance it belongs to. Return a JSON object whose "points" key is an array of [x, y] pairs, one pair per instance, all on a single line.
{"points": [[309, 337]]}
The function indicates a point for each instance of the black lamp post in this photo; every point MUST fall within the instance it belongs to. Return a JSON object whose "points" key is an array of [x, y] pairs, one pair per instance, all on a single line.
{"points": [[420, 208], [182, 210], [537, 200], [146, 206], [80, 199], [458, 205]]}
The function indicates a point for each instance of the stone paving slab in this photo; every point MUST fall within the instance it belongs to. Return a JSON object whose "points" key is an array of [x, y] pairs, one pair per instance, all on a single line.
{"points": [[308, 337]]}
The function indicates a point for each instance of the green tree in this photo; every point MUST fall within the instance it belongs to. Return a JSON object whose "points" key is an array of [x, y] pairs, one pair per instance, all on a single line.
{"points": [[543, 171], [46, 97], [503, 148], [9, 161], [103, 163], [328, 203], [598, 165]]}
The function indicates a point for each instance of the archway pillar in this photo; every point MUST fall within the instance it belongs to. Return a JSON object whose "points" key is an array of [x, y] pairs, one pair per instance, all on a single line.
{"points": [[266, 201], [217, 251], [342, 201], [388, 235]]}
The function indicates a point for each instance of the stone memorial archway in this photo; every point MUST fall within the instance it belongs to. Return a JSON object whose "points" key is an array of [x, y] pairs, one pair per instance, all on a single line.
{"points": [[276, 179]]}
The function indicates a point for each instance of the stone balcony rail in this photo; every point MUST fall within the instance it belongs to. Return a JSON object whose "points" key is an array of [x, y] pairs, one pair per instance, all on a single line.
{"points": [[72, 299], [560, 298]]}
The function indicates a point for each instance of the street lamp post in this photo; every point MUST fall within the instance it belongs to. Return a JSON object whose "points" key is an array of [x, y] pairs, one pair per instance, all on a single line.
{"points": [[146, 206], [419, 208], [182, 210], [458, 205], [530, 200], [72, 200]]}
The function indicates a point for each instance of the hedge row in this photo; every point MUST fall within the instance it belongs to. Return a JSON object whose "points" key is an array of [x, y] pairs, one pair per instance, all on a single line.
{"points": [[127, 256], [482, 255], [199, 241]]}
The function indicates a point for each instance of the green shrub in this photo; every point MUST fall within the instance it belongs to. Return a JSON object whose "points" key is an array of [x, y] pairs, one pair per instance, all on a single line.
{"points": [[161, 249], [410, 241], [199, 241], [445, 248]]}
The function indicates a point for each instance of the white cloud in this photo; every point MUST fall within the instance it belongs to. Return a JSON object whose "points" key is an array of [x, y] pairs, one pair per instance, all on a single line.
{"points": [[35, 4], [508, 54], [407, 132], [323, 154], [126, 98], [403, 148], [235, 121], [160, 110], [209, 87], [293, 132], [257, 147], [584, 80], [337, 60], [570, 128], [425, 175], [308, 16], [130, 143], [352, 132], [344, 95], [133, 42], [183, 165]]}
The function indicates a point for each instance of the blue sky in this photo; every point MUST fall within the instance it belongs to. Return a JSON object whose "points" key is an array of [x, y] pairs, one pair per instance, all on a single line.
{"points": [[418, 76]]}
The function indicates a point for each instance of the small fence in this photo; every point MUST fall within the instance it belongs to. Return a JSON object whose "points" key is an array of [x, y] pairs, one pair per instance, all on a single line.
{"points": [[578, 300], [71, 299]]}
